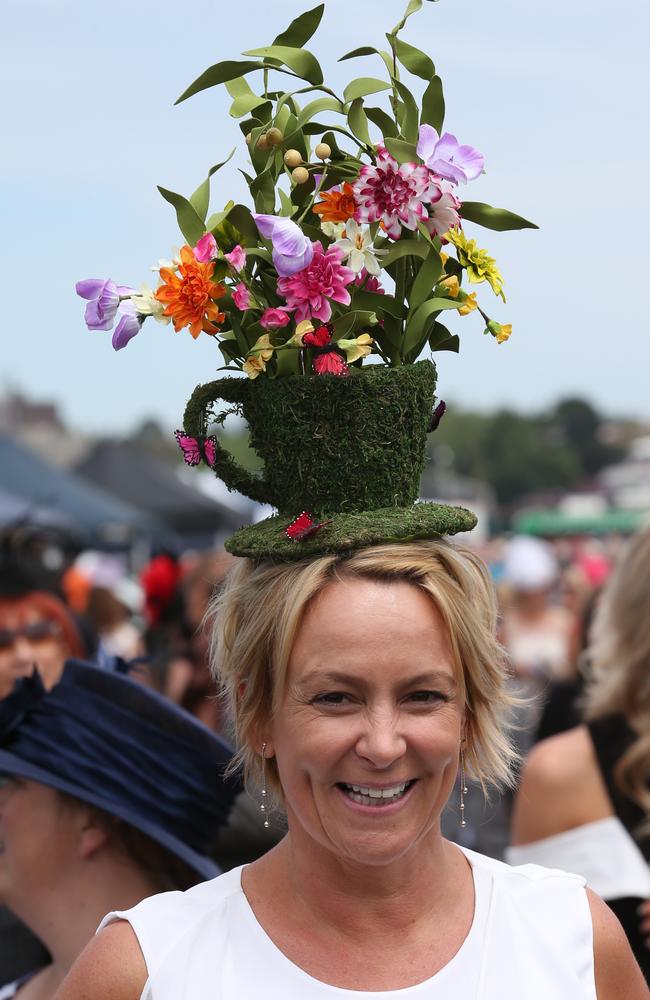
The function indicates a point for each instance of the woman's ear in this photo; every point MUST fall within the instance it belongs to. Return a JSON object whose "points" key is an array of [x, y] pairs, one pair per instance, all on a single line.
{"points": [[92, 835]]}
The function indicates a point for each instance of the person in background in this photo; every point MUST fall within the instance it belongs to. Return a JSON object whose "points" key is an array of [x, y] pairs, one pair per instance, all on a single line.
{"points": [[584, 800], [109, 793]]}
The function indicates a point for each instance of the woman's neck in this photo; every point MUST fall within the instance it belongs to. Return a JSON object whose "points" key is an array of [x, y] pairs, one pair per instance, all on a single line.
{"points": [[66, 916], [354, 897]]}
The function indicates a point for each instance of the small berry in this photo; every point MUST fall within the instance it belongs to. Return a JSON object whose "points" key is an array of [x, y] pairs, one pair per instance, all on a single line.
{"points": [[323, 151], [263, 142], [292, 158], [300, 175], [249, 138], [274, 136]]}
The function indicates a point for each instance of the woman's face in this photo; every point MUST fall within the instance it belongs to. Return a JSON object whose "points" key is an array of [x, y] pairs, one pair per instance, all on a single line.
{"points": [[367, 737], [29, 638], [37, 837]]}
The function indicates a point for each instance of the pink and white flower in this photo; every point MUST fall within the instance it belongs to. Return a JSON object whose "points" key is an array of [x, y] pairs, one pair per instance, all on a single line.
{"points": [[444, 207], [392, 193], [309, 292]]}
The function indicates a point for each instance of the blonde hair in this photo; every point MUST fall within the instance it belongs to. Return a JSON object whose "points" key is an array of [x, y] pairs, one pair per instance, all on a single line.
{"points": [[256, 616], [619, 660]]}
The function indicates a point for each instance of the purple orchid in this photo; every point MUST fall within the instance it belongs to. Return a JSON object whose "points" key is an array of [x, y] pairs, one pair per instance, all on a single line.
{"points": [[447, 158], [129, 325], [292, 251], [104, 298]]}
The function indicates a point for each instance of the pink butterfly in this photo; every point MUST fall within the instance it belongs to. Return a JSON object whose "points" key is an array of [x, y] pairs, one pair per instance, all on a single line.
{"points": [[197, 449], [303, 527]]}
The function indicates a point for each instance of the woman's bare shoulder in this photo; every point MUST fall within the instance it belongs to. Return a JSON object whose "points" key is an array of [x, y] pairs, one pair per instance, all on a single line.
{"points": [[561, 788], [110, 967], [615, 967]]}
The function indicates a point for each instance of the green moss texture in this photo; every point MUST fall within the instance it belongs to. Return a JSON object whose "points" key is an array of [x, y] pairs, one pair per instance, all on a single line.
{"points": [[268, 541], [329, 445]]}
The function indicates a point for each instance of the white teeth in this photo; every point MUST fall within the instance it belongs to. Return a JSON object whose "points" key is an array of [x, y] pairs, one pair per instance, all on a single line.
{"points": [[378, 793]]}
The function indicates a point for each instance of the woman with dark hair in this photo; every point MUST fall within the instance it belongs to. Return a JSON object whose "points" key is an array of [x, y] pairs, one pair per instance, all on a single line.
{"points": [[109, 794]]}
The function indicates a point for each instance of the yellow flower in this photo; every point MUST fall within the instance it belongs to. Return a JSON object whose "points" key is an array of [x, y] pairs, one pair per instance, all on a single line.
{"points": [[261, 352], [500, 331], [360, 347], [478, 263], [304, 327], [451, 286], [469, 305]]}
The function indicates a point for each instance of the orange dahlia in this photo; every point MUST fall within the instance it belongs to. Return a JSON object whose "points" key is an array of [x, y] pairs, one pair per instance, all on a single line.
{"points": [[189, 295], [336, 206]]}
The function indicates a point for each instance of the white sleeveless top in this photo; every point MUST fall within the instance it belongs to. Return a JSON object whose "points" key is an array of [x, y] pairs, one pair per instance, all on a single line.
{"points": [[531, 936], [603, 852]]}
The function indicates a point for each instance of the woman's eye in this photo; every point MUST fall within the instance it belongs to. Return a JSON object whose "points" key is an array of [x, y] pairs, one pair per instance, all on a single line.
{"points": [[330, 698], [428, 697]]}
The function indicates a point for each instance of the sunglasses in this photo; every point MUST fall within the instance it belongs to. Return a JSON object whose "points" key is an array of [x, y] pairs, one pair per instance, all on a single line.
{"points": [[36, 632]]}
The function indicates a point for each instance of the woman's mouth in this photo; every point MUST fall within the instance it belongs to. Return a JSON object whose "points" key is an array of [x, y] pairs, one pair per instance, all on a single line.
{"points": [[363, 795]]}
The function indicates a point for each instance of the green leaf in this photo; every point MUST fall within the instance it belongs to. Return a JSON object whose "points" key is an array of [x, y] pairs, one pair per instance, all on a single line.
{"points": [[428, 274], [221, 72], [411, 114], [412, 8], [441, 339], [244, 105], [351, 321], [190, 222], [498, 219], [301, 28], [369, 50], [415, 61], [405, 248], [200, 200], [287, 207], [299, 60], [358, 122], [417, 327], [403, 152], [240, 217], [377, 303], [362, 86], [433, 104], [315, 107], [383, 121]]}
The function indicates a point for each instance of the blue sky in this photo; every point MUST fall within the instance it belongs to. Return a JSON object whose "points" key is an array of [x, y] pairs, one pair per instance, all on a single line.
{"points": [[555, 95]]}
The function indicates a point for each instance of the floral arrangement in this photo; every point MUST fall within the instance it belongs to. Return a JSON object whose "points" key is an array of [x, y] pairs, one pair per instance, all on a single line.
{"points": [[352, 248]]}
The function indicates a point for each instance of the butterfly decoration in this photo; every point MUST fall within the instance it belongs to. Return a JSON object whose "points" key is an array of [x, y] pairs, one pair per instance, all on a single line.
{"points": [[329, 360], [304, 526], [437, 416], [196, 450]]}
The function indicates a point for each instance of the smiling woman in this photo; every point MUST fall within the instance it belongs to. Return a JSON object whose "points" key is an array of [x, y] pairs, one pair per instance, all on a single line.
{"points": [[360, 685]]}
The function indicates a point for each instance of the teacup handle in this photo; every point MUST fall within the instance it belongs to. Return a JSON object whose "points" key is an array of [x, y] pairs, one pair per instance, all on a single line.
{"points": [[195, 420]]}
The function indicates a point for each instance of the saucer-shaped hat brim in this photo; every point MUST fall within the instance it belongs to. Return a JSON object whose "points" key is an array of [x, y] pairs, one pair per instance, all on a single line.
{"points": [[350, 531]]}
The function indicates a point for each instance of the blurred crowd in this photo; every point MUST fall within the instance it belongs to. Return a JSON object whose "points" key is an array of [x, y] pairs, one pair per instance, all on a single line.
{"points": [[147, 625]]}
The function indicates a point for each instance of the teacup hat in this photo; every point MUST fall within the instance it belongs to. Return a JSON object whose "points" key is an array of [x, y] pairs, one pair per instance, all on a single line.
{"points": [[324, 291]]}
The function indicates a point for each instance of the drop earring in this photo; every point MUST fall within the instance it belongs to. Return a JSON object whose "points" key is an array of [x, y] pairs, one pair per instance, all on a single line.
{"points": [[263, 802], [463, 785]]}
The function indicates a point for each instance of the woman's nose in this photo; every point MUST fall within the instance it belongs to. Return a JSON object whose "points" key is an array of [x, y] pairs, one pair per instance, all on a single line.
{"points": [[381, 742], [23, 658]]}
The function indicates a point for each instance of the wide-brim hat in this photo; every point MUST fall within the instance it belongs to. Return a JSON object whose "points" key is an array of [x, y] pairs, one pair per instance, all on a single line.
{"points": [[343, 458], [107, 740]]}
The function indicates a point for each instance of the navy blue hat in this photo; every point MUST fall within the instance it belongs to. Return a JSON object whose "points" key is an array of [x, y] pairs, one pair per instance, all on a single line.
{"points": [[107, 740]]}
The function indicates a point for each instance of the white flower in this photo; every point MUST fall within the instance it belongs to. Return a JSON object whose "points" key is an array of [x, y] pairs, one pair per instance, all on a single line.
{"points": [[334, 230], [148, 305], [171, 264], [358, 249]]}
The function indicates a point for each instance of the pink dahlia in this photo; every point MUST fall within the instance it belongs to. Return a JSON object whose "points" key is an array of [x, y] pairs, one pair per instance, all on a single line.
{"points": [[308, 292], [392, 193]]}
